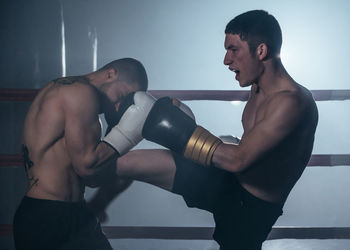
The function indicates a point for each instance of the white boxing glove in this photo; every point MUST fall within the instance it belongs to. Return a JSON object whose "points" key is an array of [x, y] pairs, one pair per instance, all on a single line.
{"points": [[128, 132]]}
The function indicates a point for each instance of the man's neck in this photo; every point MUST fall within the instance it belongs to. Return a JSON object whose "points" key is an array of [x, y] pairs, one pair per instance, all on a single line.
{"points": [[93, 78], [272, 78], [95, 81]]}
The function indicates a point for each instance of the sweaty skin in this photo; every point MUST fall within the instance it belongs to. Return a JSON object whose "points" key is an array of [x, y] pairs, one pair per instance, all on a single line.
{"points": [[61, 140]]}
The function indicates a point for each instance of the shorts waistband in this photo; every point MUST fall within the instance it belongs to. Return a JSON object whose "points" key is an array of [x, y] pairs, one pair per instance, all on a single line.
{"points": [[56, 203]]}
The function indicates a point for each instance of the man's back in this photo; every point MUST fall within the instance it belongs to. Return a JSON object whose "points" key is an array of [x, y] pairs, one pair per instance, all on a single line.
{"points": [[274, 175], [51, 175]]}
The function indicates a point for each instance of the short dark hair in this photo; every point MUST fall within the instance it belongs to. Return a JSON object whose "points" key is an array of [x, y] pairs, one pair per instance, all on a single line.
{"points": [[129, 70], [256, 27]]}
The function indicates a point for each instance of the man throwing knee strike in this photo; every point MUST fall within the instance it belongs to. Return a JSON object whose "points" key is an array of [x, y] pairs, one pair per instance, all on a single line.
{"points": [[63, 151], [244, 185]]}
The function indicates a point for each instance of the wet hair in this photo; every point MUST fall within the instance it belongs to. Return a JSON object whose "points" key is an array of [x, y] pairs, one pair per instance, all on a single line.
{"points": [[130, 71], [256, 27]]}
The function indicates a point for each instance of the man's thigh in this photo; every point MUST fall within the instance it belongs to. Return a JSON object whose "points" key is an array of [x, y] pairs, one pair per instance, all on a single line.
{"points": [[88, 239], [202, 187], [245, 224], [153, 166]]}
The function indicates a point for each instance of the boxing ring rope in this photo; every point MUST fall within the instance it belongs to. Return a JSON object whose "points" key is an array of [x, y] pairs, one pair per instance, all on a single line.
{"points": [[200, 233], [27, 95], [317, 160]]}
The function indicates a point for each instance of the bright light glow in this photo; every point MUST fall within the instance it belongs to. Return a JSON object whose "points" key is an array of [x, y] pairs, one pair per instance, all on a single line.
{"points": [[236, 103], [94, 47], [63, 44], [288, 58]]}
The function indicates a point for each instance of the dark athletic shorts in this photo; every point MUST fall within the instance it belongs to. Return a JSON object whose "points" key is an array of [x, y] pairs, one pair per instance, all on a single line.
{"points": [[47, 224], [243, 221]]}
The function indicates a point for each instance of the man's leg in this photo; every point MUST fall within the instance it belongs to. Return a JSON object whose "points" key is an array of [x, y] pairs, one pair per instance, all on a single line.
{"points": [[199, 186], [105, 194], [154, 166], [85, 232]]}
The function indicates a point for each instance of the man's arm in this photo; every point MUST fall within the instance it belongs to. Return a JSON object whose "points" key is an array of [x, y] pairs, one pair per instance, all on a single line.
{"points": [[83, 131], [106, 193], [282, 116]]}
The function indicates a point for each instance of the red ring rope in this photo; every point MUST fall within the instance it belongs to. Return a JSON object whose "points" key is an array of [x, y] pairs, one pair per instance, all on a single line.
{"points": [[27, 95], [317, 160]]}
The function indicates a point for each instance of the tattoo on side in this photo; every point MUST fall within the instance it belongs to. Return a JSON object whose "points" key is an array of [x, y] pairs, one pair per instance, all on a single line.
{"points": [[32, 181], [71, 80], [26, 160]]}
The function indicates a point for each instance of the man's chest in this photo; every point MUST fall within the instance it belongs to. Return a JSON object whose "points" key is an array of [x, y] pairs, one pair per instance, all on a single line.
{"points": [[253, 113]]}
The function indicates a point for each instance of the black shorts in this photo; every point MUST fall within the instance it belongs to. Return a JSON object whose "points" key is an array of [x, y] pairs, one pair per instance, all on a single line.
{"points": [[47, 224], [242, 220]]}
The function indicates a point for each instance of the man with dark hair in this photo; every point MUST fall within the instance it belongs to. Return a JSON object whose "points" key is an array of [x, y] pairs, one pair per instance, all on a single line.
{"points": [[130, 71], [265, 30], [63, 150], [245, 183]]}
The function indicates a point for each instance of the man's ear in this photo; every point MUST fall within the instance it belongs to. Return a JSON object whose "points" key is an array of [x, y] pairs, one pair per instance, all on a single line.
{"points": [[262, 51], [111, 74]]}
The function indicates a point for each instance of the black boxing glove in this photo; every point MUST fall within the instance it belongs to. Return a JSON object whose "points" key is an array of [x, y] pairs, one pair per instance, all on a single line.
{"points": [[172, 128]]}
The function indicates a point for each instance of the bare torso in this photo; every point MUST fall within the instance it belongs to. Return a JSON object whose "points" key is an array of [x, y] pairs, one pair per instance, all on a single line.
{"points": [[274, 175], [49, 167]]}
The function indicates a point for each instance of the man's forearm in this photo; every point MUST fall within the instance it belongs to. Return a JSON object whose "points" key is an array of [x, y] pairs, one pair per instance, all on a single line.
{"points": [[107, 192]]}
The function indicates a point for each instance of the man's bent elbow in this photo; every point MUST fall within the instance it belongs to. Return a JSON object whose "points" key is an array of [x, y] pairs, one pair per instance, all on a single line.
{"points": [[90, 177], [236, 166], [233, 164], [230, 158], [84, 172], [84, 167]]}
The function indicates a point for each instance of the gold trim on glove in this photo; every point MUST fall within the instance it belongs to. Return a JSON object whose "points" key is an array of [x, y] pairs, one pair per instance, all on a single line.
{"points": [[201, 146], [192, 142], [212, 150]]}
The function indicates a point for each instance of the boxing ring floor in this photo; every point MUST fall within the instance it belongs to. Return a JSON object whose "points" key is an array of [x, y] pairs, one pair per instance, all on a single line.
{"points": [[282, 244], [131, 237]]}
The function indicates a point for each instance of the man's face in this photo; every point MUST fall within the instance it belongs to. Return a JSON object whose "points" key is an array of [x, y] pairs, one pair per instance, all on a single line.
{"points": [[119, 90], [239, 59], [115, 92], [115, 95]]}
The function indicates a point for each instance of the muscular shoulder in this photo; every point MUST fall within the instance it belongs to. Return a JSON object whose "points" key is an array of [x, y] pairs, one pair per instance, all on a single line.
{"points": [[298, 98], [288, 106], [70, 80], [79, 96], [287, 99]]}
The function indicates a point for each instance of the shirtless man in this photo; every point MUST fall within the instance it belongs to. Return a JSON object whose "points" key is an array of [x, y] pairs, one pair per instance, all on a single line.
{"points": [[244, 185], [63, 151]]}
